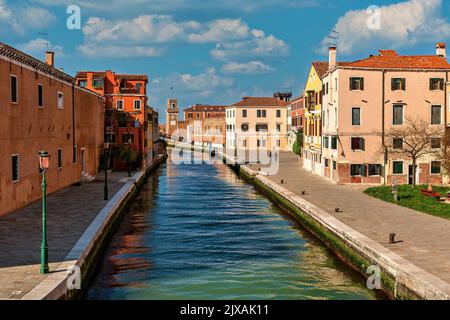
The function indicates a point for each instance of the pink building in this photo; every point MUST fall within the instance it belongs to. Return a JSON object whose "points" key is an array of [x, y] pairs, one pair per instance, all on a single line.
{"points": [[370, 96]]}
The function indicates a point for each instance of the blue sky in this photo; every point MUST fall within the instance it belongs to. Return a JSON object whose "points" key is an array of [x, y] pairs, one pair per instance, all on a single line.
{"points": [[216, 51]]}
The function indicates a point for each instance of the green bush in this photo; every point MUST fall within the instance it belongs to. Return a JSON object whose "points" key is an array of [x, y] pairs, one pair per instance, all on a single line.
{"points": [[296, 148]]}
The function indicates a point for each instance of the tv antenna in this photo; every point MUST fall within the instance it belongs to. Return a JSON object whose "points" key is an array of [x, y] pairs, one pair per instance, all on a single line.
{"points": [[46, 42], [333, 38]]}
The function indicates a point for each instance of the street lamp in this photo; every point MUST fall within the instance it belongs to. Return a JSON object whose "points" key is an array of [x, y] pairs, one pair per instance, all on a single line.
{"points": [[44, 163], [106, 155]]}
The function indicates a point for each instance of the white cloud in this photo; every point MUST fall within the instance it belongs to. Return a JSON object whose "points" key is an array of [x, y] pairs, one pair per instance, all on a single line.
{"points": [[111, 51], [233, 36], [205, 82], [22, 18], [221, 30], [5, 14], [38, 46], [402, 24], [258, 46], [251, 68]]}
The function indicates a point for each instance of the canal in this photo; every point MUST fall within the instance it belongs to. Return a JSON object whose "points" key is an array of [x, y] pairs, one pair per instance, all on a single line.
{"points": [[198, 232]]}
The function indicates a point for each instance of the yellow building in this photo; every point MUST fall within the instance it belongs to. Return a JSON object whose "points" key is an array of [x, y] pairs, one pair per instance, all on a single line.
{"points": [[313, 117]]}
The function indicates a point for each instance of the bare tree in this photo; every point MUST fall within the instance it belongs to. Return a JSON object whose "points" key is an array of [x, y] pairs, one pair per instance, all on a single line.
{"points": [[444, 154], [414, 140]]}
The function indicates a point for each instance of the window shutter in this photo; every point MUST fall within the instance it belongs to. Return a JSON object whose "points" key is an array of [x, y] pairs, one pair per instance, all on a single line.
{"points": [[392, 84], [364, 170], [403, 84], [362, 84], [363, 144], [351, 84], [441, 84]]}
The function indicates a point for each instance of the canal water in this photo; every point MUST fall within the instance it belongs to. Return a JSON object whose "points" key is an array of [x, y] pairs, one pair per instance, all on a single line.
{"points": [[198, 232]]}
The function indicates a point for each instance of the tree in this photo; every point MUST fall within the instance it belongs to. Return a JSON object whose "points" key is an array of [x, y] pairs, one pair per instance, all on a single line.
{"points": [[413, 140], [444, 154], [298, 144]]}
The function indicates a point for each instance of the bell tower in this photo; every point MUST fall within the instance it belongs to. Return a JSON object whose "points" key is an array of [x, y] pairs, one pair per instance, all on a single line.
{"points": [[172, 113]]}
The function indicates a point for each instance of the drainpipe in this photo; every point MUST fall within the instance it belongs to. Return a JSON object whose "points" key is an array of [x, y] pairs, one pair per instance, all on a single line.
{"points": [[383, 125], [73, 121]]}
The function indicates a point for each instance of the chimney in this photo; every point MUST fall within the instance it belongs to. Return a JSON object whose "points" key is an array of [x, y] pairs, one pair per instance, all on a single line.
{"points": [[332, 59], [440, 50], [50, 58]]}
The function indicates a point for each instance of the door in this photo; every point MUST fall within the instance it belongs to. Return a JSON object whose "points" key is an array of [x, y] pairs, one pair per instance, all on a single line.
{"points": [[83, 163]]}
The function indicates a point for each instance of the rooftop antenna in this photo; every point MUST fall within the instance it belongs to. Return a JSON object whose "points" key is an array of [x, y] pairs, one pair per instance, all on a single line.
{"points": [[46, 42], [333, 38]]}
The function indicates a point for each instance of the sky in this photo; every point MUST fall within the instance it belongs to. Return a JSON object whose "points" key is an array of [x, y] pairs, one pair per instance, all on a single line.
{"points": [[217, 51]]}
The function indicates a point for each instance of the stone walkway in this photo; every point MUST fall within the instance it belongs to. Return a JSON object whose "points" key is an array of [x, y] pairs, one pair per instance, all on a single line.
{"points": [[70, 212], [425, 239]]}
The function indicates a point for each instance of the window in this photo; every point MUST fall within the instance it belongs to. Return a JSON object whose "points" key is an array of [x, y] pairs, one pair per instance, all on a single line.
{"points": [[278, 113], [374, 170], [327, 163], [357, 170], [98, 83], [398, 84], [397, 167], [326, 142], [398, 114], [261, 113], [436, 84], [60, 164], [334, 165], [334, 141], [356, 84], [262, 127], [190, 115], [244, 127], [127, 138], [358, 144], [244, 143], [261, 143], [436, 115], [60, 98], [110, 137], [278, 127], [137, 104], [15, 168], [40, 95], [75, 154], [138, 87], [244, 113], [119, 104], [14, 89], [397, 143], [356, 116], [435, 167], [278, 143], [436, 143], [82, 83]]}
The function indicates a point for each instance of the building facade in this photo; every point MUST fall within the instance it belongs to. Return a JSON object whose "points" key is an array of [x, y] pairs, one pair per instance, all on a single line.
{"points": [[257, 123], [296, 110], [43, 109], [206, 125], [364, 99], [312, 151], [127, 113]]}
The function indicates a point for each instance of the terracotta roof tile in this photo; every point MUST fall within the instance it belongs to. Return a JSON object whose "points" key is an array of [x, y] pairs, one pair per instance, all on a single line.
{"points": [[204, 107], [389, 59], [260, 102]]}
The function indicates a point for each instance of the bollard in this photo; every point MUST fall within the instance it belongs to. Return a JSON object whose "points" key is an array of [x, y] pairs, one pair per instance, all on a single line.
{"points": [[392, 238], [282, 181], [337, 210], [303, 193]]}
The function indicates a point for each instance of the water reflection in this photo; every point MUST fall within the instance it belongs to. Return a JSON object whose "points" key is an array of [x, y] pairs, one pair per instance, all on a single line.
{"points": [[199, 232]]}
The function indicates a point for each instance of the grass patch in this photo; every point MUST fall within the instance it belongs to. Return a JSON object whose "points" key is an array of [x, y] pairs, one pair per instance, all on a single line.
{"points": [[413, 199]]}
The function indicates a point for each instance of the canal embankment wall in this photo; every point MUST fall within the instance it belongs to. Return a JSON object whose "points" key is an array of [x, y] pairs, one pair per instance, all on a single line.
{"points": [[80, 264], [400, 279]]}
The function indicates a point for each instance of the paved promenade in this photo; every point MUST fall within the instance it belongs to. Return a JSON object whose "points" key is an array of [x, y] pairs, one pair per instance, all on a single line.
{"points": [[70, 212], [424, 239]]}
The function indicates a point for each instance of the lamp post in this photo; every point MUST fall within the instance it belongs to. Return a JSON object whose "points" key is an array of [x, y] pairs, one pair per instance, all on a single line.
{"points": [[106, 155], [44, 163]]}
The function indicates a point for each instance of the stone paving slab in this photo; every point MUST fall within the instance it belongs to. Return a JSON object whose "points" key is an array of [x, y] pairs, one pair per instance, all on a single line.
{"points": [[425, 239], [70, 212]]}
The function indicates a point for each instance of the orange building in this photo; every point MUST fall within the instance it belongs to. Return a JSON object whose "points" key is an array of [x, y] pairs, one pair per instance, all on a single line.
{"points": [[128, 113], [44, 109]]}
